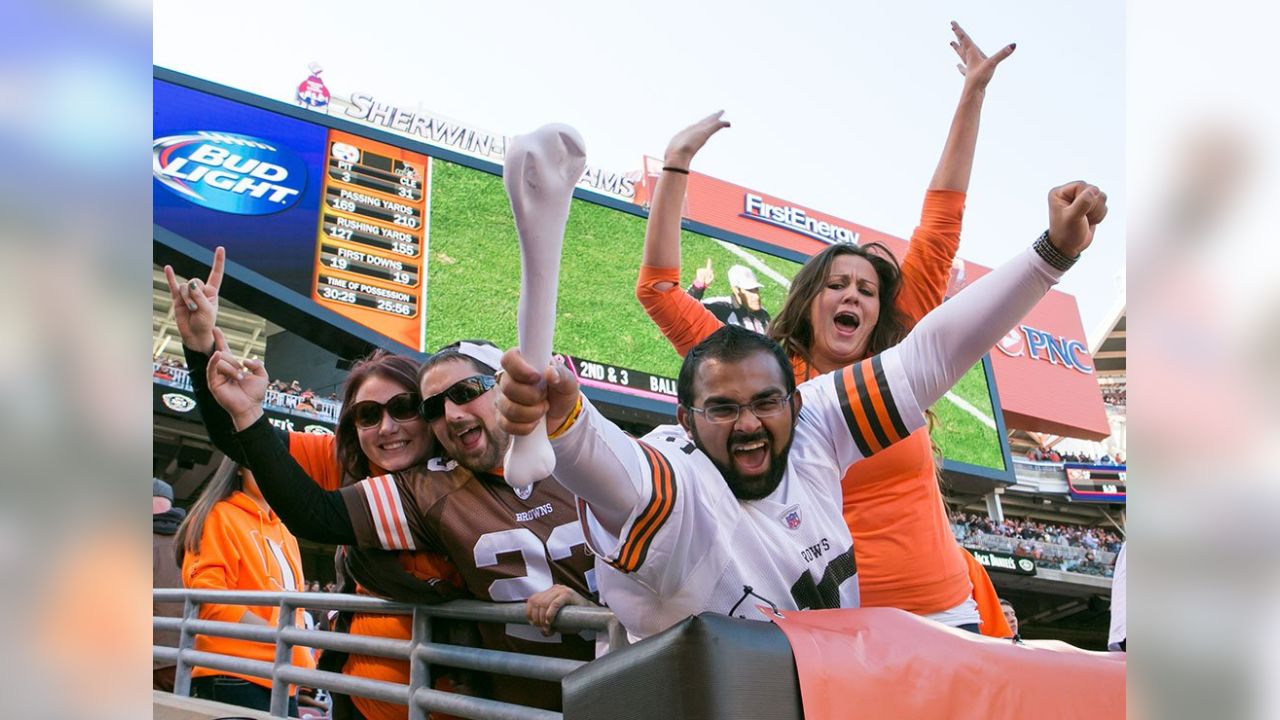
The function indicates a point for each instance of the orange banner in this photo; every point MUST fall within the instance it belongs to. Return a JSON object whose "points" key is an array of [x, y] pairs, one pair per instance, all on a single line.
{"points": [[887, 663]]}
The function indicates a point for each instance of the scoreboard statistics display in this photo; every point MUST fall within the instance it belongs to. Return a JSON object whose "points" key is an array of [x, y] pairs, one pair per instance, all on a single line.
{"points": [[337, 217], [418, 244], [1096, 483]]}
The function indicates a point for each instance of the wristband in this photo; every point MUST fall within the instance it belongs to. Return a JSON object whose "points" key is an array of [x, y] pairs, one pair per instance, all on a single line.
{"points": [[668, 168], [568, 422], [1051, 254]]}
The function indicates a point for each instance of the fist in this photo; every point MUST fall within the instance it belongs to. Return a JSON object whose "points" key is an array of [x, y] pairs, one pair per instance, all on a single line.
{"points": [[526, 395], [1075, 209]]}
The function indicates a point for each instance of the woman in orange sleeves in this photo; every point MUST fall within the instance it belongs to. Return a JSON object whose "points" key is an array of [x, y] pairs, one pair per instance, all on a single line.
{"points": [[847, 303]]}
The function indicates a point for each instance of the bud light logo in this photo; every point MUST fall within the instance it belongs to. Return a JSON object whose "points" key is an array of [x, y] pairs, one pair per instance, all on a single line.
{"points": [[1040, 345], [229, 172]]}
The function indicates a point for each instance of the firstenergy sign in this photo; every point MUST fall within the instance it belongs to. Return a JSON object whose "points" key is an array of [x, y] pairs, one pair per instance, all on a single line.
{"points": [[1040, 345], [796, 220]]}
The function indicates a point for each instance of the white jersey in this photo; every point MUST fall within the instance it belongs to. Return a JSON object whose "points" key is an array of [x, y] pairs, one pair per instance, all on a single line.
{"points": [[686, 545], [689, 545]]}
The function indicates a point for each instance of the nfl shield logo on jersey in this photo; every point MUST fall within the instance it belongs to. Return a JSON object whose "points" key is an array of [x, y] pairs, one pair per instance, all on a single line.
{"points": [[792, 517], [524, 492]]}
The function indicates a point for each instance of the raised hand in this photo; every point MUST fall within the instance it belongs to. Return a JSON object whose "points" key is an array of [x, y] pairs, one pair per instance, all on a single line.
{"points": [[1075, 209], [526, 395], [704, 276], [195, 304], [238, 388], [686, 143], [974, 65]]}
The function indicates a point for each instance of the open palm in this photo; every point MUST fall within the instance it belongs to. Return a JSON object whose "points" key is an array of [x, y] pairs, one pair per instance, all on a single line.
{"points": [[686, 143], [974, 65]]}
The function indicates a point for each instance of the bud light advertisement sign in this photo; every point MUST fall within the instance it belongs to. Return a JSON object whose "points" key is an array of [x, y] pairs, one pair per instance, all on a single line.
{"points": [[229, 174]]}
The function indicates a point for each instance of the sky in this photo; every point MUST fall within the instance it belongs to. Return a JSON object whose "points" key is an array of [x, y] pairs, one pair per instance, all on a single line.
{"points": [[842, 108]]}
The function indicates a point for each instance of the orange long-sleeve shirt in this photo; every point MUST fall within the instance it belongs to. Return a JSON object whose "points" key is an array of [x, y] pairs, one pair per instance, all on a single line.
{"points": [[243, 547], [907, 557], [317, 455]]}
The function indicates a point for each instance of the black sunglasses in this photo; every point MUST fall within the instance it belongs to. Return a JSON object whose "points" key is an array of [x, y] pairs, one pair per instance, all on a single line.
{"points": [[401, 408], [461, 393]]}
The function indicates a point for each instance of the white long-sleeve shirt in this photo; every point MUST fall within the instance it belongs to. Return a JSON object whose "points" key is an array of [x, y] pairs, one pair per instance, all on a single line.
{"points": [[686, 544]]}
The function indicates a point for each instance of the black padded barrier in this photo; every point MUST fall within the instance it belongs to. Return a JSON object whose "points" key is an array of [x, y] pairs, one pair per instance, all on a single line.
{"points": [[708, 667]]}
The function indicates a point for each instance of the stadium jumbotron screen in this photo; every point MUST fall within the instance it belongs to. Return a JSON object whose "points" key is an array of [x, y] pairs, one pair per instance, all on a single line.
{"points": [[423, 250]]}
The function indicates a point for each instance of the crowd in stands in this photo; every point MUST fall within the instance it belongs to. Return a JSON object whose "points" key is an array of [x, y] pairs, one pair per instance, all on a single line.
{"points": [[1044, 454], [289, 396], [162, 368], [307, 396], [1076, 549], [1114, 395]]}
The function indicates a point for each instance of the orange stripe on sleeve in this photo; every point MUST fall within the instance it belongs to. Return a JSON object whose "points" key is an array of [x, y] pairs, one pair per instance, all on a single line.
{"points": [[877, 402], [859, 415], [643, 530]]}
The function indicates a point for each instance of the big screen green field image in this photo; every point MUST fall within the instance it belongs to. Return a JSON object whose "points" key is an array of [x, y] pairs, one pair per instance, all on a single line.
{"points": [[473, 289]]}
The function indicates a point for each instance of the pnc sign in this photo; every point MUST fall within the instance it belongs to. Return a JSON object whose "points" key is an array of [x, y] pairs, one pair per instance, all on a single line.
{"points": [[1040, 345]]}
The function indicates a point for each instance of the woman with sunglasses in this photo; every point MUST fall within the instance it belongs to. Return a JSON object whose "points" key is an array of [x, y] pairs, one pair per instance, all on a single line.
{"points": [[379, 431], [847, 303]]}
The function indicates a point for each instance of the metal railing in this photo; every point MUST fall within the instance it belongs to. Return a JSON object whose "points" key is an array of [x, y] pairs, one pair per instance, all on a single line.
{"points": [[419, 651]]}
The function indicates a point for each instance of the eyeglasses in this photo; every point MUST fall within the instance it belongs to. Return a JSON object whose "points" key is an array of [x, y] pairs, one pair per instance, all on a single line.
{"points": [[461, 393], [729, 412], [401, 408]]}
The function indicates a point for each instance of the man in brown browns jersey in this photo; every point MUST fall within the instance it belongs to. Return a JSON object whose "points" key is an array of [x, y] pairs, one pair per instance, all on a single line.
{"points": [[509, 545]]}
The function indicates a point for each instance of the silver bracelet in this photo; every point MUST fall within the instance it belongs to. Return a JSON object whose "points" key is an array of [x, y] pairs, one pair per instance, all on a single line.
{"points": [[1051, 254]]}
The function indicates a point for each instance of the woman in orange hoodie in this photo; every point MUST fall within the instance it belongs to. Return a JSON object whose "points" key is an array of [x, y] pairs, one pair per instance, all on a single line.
{"points": [[231, 540], [847, 303], [379, 431]]}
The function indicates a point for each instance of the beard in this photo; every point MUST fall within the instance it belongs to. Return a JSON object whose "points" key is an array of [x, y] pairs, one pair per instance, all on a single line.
{"points": [[485, 459], [749, 487]]}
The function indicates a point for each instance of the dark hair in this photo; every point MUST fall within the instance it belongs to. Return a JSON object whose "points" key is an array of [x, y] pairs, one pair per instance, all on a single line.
{"points": [[458, 351], [225, 481], [730, 344], [399, 369], [791, 326]]}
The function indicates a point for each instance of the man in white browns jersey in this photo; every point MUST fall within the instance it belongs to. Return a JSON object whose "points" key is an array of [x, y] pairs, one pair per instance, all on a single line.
{"points": [[740, 504]]}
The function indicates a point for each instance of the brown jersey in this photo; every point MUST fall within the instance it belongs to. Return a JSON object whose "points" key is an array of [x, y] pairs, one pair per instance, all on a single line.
{"points": [[507, 544]]}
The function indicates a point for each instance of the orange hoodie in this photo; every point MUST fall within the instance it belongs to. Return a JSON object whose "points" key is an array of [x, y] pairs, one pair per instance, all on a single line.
{"points": [[318, 457], [243, 547], [907, 556]]}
